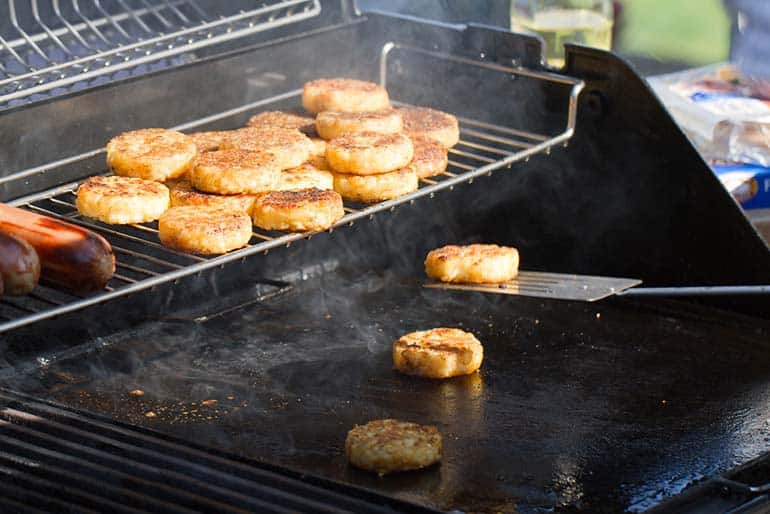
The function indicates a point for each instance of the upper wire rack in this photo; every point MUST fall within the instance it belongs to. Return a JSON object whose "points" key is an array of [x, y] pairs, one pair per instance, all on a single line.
{"points": [[49, 47]]}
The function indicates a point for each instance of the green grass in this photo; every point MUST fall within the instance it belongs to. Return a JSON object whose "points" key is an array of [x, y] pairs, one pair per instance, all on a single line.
{"points": [[691, 31]]}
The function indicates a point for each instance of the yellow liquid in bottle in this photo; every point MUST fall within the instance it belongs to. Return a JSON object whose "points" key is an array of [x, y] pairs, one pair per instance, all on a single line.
{"points": [[559, 26]]}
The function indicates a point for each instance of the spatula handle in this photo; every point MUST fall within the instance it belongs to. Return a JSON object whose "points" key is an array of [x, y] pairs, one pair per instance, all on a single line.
{"points": [[697, 291]]}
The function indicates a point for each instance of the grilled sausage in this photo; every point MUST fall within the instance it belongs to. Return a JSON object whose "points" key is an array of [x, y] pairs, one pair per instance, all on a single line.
{"points": [[19, 265], [70, 256]]}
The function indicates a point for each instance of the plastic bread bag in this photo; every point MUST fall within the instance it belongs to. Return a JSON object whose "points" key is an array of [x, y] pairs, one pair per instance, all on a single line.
{"points": [[726, 114]]}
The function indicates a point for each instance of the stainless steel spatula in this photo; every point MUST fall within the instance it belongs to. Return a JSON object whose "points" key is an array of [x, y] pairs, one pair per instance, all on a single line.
{"points": [[589, 288], [551, 285]]}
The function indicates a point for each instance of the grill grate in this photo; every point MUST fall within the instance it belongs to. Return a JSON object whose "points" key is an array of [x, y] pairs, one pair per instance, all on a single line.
{"points": [[142, 262], [58, 460], [70, 45]]}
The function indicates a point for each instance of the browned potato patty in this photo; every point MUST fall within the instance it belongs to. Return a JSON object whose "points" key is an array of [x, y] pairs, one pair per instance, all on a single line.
{"points": [[369, 153], [319, 147], [235, 171], [320, 162], [305, 177], [152, 154], [389, 445], [289, 146], [430, 157], [204, 230], [208, 141], [347, 95], [297, 211], [331, 124], [183, 193], [438, 353], [376, 188], [283, 119], [475, 264], [120, 200], [438, 125]]}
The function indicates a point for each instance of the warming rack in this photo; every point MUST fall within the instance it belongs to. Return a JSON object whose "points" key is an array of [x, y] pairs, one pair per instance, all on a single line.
{"points": [[76, 43], [143, 263]]}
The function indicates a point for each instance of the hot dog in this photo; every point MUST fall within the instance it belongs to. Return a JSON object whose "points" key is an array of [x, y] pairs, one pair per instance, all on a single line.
{"points": [[19, 265], [70, 256]]}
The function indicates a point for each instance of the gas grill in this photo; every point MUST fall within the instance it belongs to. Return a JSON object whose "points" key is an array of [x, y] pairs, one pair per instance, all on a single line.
{"points": [[249, 368]]}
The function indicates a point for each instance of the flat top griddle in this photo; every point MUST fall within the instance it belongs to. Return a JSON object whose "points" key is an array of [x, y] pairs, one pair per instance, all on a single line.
{"points": [[598, 408]]}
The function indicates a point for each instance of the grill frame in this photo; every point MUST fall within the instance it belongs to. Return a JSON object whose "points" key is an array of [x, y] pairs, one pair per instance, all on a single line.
{"points": [[617, 113], [513, 144]]}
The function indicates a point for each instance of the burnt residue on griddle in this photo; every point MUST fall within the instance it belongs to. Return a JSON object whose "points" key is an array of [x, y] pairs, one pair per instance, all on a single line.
{"points": [[593, 407]]}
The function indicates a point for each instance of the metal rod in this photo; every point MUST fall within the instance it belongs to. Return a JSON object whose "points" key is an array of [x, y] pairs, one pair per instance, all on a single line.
{"points": [[112, 21], [176, 11], [123, 278], [24, 35], [500, 128], [497, 139], [261, 236], [51, 35], [485, 148], [154, 10], [698, 291], [148, 258], [137, 269], [16, 56], [471, 155], [57, 10], [458, 165], [91, 25], [132, 13]]}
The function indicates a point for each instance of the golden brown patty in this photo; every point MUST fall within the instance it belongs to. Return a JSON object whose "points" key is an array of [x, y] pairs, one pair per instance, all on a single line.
{"points": [[204, 230], [297, 211], [388, 445], [369, 153], [375, 188], [320, 162], [235, 171], [208, 141], [439, 125], [347, 95], [319, 147], [289, 146], [283, 119], [438, 353], [305, 177], [152, 154], [122, 199], [183, 193], [331, 124], [476, 263], [430, 157]]}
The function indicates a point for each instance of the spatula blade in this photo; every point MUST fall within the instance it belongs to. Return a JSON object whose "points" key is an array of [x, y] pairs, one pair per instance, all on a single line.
{"points": [[558, 286]]}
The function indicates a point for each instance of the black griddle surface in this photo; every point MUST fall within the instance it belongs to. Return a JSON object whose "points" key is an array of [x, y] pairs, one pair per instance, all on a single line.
{"points": [[595, 407]]}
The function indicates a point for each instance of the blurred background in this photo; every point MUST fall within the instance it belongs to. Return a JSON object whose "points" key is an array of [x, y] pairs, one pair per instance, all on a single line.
{"points": [[657, 35], [665, 35]]}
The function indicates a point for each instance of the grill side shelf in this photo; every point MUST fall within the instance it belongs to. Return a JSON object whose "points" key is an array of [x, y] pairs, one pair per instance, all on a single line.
{"points": [[142, 262]]}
